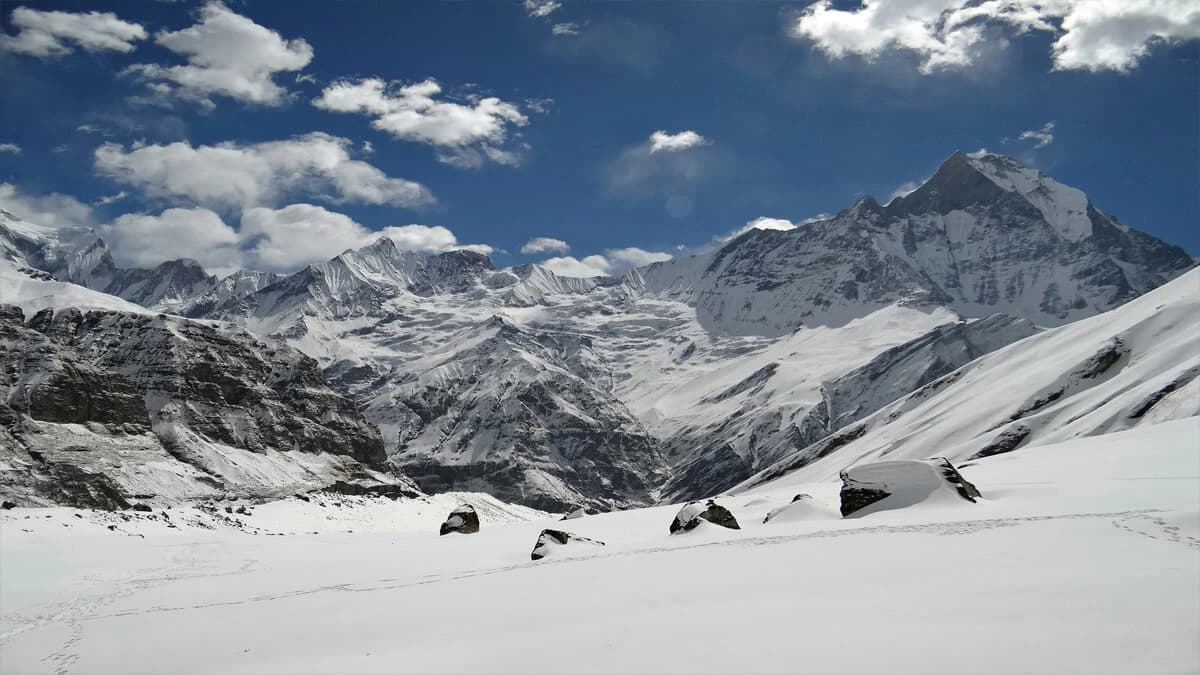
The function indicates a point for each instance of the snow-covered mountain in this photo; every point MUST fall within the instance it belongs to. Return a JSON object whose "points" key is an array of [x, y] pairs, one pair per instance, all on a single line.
{"points": [[1135, 365], [982, 235], [679, 379]]}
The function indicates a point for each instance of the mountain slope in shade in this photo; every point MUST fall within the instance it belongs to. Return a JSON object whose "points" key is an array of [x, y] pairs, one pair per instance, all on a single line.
{"points": [[1134, 365], [102, 407]]}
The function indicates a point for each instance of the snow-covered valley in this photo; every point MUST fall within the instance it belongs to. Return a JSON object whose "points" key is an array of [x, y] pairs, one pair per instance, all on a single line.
{"points": [[1082, 556]]}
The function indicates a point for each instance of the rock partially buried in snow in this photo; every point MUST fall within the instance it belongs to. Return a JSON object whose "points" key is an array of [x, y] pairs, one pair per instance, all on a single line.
{"points": [[883, 486], [690, 516], [550, 541], [579, 513], [462, 519], [802, 507]]}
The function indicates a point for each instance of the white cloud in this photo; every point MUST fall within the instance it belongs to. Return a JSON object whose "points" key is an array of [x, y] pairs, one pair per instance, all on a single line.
{"points": [[664, 163], [661, 141], [301, 234], [569, 266], [109, 199], [1092, 35], [624, 258], [760, 223], [429, 239], [233, 175], [545, 245], [12, 148], [565, 28], [904, 189], [51, 210], [541, 8], [613, 262], [145, 240], [466, 134], [53, 33], [1040, 137], [280, 240], [228, 55]]}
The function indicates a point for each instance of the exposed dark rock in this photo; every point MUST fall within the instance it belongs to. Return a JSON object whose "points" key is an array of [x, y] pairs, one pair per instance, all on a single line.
{"points": [[8, 504], [145, 508], [550, 540], [691, 514], [396, 490], [1006, 441], [463, 519]]}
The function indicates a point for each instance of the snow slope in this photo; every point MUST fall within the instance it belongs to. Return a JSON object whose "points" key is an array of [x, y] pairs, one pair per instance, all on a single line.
{"points": [[1137, 364], [1082, 557]]}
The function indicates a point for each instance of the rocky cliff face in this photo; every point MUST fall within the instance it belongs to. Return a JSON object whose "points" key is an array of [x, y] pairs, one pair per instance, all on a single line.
{"points": [[151, 406]]}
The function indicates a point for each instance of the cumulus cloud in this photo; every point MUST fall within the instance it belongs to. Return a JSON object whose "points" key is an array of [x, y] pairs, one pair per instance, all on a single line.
{"points": [[1040, 137], [279, 240], [661, 141], [227, 55], [545, 245], [466, 134], [233, 175], [144, 240], [11, 148], [613, 262], [541, 8], [1094, 35], [51, 210], [49, 34], [565, 28], [664, 163]]}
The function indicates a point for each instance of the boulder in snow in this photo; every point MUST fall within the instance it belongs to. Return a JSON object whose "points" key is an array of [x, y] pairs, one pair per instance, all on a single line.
{"points": [[579, 513], [882, 486], [690, 515], [550, 541], [802, 507], [462, 519]]}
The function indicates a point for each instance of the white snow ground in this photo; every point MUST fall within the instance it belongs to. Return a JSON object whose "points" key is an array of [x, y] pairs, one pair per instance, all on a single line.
{"points": [[1083, 557]]}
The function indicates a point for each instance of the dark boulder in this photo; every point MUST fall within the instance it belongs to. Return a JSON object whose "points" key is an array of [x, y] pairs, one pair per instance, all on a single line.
{"points": [[8, 504], [550, 541], [145, 508], [901, 483], [690, 515], [463, 519]]}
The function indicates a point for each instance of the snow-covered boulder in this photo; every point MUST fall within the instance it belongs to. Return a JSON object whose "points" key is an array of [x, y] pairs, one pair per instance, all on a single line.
{"points": [[802, 507], [462, 519], [551, 541], [579, 513], [691, 514], [883, 486]]}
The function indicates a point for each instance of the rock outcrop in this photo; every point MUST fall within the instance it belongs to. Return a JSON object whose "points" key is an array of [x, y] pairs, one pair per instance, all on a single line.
{"points": [[550, 542], [463, 520], [692, 514]]}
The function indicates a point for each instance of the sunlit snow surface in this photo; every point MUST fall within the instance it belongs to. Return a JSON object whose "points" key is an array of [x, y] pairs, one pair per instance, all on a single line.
{"points": [[1082, 557]]}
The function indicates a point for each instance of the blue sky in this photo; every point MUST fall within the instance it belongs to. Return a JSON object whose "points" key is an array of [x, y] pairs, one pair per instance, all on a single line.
{"points": [[541, 119]]}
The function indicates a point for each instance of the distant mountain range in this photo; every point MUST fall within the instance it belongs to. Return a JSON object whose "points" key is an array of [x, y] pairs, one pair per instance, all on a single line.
{"points": [[391, 370]]}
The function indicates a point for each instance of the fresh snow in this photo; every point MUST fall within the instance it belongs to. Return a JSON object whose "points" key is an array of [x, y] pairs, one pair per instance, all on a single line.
{"points": [[1085, 554]]}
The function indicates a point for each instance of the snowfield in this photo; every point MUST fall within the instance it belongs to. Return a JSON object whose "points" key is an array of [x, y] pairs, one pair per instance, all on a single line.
{"points": [[1082, 556]]}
